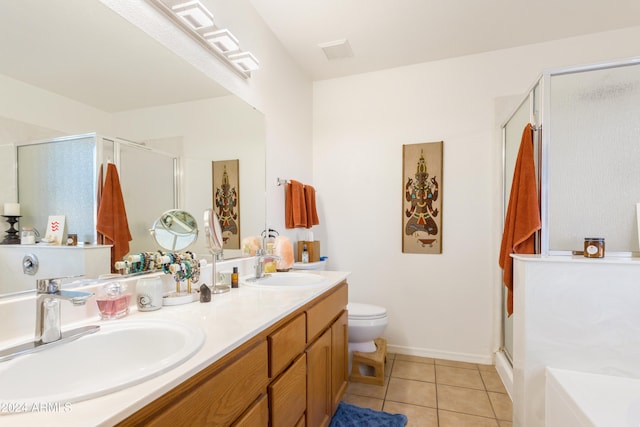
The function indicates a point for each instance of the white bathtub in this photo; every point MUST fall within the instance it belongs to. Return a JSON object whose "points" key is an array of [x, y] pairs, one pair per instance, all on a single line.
{"points": [[584, 399]]}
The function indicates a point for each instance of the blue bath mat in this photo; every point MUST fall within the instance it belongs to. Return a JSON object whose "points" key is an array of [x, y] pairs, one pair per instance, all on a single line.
{"points": [[353, 416]]}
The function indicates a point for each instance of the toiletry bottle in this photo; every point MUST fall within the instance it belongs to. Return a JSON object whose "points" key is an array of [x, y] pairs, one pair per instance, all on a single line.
{"points": [[305, 254], [113, 301], [234, 278]]}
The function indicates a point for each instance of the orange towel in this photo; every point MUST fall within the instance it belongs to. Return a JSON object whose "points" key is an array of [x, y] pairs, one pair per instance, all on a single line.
{"points": [[310, 204], [523, 213], [112, 217], [294, 205]]}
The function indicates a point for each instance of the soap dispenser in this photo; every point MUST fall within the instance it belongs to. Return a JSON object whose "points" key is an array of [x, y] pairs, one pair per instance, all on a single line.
{"points": [[305, 254]]}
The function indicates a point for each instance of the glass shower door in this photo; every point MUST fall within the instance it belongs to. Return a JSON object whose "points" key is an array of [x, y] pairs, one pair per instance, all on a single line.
{"points": [[512, 135]]}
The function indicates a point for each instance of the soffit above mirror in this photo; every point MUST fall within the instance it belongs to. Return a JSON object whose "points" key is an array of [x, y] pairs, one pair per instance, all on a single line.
{"points": [[39, 45]]}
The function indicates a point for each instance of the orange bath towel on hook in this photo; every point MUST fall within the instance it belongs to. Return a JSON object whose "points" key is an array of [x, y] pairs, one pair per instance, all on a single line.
{"points": [[523, 213], [310, 204], [300, 206], [295, 208], [112, 217]]}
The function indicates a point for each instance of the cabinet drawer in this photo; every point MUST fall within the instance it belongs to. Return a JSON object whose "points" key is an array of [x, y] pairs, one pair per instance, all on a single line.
{"points": [[320, 316], [288, 394], [224, 396], [256, 416], [286, 344]]}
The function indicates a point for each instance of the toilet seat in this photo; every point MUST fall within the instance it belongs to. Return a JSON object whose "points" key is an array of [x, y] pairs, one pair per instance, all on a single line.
{"points": [[359, 311]]}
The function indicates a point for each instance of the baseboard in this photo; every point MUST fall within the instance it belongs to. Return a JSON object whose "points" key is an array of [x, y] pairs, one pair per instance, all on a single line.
{"points": [[436, 354], [505, 370]]}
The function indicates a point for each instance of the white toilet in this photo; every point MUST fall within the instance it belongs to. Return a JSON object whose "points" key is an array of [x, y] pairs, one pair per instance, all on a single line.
{"points": [[366, 323]]}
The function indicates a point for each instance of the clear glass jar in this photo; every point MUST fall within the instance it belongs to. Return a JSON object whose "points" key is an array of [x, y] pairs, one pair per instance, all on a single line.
{"points": [[28, 236]]}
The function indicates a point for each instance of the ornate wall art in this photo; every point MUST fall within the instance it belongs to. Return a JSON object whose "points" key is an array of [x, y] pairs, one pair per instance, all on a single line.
{"points": [[422, 198], [226, 200]]}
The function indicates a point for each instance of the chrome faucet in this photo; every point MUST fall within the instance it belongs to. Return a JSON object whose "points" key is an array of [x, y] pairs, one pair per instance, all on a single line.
{"points": [[48, 299], [48, 330], [260, 258]]}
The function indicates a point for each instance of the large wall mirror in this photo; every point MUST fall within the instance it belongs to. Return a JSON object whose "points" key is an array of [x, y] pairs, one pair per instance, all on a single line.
{"points": [[78, 67]]}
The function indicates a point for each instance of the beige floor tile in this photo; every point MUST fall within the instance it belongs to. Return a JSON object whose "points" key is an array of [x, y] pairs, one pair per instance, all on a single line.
{"points": [[363, 401], [503, 423], [412, 392], [413, 371], [483, 367], [409, 358], [456, 364], [492, 381], [501, 405], [465, 400], [391, 355], [456, 419], [460, 377], [417, 416], [388, 366], [368, 390]]}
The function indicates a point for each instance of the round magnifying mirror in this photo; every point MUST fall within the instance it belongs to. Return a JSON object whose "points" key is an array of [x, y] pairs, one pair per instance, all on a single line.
{"points": [[213, 231], [175, 230]]}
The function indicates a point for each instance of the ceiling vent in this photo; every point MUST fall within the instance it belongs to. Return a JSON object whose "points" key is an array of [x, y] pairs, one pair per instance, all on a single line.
{"points": [[338, 49]]}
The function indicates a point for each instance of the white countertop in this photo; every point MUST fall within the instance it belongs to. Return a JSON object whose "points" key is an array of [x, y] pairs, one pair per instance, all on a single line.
{"points": [[577, 259], [229, 320]]}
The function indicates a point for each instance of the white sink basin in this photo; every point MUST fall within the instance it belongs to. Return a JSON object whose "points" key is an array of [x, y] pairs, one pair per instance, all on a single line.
{"points": [[288, 279], [121, 354]]}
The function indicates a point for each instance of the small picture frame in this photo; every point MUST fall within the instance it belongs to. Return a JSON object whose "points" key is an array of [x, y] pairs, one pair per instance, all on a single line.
{"points": [[55, 230]]}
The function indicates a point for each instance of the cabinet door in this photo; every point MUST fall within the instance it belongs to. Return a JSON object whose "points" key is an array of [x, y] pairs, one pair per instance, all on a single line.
{"points": [[339, 359], [287, 394], [256, 416], [319, 399]]}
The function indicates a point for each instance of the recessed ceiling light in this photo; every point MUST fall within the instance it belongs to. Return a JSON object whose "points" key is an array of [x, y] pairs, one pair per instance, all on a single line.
{"points": [[222, 40], [337, 49], [194, 13], [245, 61]]}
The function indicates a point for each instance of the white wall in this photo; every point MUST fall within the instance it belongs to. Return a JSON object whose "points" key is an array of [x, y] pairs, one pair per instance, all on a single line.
{"points": [[444, 305], [221, 128], [279, 89]]}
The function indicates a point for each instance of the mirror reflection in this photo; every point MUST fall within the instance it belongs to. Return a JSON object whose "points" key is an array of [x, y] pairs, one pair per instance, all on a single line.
{"points": [[175, 230], [106, 77]]}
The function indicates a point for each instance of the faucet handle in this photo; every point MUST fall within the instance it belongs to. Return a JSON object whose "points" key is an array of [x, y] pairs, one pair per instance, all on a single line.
{"points": [[48, 286]]}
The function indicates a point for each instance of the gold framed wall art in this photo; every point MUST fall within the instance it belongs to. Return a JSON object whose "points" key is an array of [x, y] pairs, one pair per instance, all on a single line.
{"points": [[226, 200], [422, 198]]}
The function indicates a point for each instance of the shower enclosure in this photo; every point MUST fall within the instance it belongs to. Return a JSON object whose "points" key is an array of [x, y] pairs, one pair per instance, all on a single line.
{"points": [[587, 140]]}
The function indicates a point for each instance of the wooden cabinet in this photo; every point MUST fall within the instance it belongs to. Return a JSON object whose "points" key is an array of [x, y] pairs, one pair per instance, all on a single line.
{"points": [[319, 399], [216, 397], [327, 357], [287, 394], [292, 374], [256, 416], [339, 359]]}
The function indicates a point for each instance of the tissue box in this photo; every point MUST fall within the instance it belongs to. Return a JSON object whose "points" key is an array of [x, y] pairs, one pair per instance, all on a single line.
{"points": [[312, 247]]}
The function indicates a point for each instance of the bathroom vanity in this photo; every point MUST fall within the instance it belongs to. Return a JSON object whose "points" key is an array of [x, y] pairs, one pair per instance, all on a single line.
{"points": [[271, 356]]}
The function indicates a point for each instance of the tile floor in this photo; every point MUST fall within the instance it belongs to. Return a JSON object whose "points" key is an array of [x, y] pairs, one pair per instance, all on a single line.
{"points": [[437, 393]]}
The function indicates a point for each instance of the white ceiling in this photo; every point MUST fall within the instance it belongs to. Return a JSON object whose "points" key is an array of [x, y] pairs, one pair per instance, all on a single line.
{"points": [[83, 50], [391, 33]]}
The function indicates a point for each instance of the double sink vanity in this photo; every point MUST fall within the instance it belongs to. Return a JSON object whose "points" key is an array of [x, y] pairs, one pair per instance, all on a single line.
{"points": [[272, 352]]}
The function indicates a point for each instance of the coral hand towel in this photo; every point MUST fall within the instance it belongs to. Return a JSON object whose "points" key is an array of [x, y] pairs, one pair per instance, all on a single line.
{"points": [[310, 204], [112, 217], [295, 206], [523, 213]]}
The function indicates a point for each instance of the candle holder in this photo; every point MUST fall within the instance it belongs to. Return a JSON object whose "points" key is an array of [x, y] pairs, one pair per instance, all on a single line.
{"points": [[12, 237]]}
